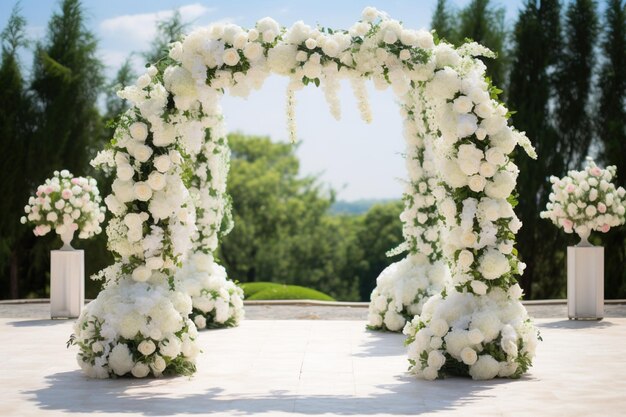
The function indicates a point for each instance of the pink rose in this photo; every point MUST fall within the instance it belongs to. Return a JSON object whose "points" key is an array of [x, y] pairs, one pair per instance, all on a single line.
{"points": [[601, 207], [48, 190], [38, 193], [567, 225], [595, 171], [39, 230], [570, 188], [66, 194], [605, 228], [74, 181]]}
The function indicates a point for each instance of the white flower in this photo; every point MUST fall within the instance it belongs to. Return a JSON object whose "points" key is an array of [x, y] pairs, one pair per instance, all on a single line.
{"points": [[231, 57], [466, 258], [486, 367], [479, 287], [162, 163], [158, 364], [200, 321], [146, 347], [139, 131], [477, 183], [493, 264], [142, 191], [125, 172], [469, 158], [140, 370], [120, 359], [436, 359], [141, 274], [469, 356], [462, 104], [142, 152], [156, 181], [439, 327]]}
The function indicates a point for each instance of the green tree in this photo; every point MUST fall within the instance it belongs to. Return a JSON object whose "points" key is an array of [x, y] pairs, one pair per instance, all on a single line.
{"points": [[611, 129], [282, 232], [379, 231], [574, 81], [15, 132], [536, 40], [444, 22], [168, 30], [66, 81], [484, 23]]}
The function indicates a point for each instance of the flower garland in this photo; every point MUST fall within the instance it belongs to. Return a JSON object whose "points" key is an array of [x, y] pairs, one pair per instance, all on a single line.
{"points": [[167, 221], [65, 203], [586, 200]]}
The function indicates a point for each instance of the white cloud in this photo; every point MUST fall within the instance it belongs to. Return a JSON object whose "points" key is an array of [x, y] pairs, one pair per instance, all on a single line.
{"points": [[141, 28]]}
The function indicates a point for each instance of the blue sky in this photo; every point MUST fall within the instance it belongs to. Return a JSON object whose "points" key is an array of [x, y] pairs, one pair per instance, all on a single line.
{"points": [[357, 159]]}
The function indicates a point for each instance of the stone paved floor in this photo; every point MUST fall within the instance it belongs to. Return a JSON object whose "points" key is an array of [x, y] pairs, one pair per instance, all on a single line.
{"points": [[311, 368]]}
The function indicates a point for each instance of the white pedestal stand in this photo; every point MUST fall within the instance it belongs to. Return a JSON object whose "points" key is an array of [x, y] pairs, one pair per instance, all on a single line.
{"points": [[67, 283], [585, 282]]}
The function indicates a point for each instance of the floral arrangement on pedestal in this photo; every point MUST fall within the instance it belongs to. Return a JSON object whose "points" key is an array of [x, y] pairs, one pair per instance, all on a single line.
{"points": [[170, 159], [586, 200], [66, 204]]}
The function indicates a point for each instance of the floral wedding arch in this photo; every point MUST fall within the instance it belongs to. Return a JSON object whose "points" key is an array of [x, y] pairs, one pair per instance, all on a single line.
{"points": [[170, 159]]}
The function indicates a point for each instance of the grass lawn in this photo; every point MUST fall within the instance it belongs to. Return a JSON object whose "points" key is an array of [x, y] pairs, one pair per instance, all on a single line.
{"points": [[274, 291]]}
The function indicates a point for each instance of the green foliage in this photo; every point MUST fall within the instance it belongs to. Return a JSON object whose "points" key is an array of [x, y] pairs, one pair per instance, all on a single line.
{"points": [[484, 23], [444, 22], [610, 124], [16, 126], [290, 292], [251, 288], [573, 81]]}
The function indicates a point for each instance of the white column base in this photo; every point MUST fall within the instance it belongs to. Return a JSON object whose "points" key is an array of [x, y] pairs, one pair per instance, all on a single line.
{"points": [[585, 283], [67, 283]]}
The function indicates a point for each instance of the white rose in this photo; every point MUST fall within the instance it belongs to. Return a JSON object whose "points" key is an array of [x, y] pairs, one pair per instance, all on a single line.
{"points": [[479, 287], [162, 163], [310, 43], [97, 347], [170, 347], [495, 156], [253, 51], [139, 131], [477, 183], [439, 327], [154, 263], [462, 104], [142, 274], [475, 336], [231, 57], [469, 356], [125, 172], [430, 373], [466, 125], [142, 152], [156, 181], [200, 321], [436, 359], [487, 170], [515, 292], [146, 347], [466, 258], [405, 54], [142, 191], [140, 370], [158, 365]]}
